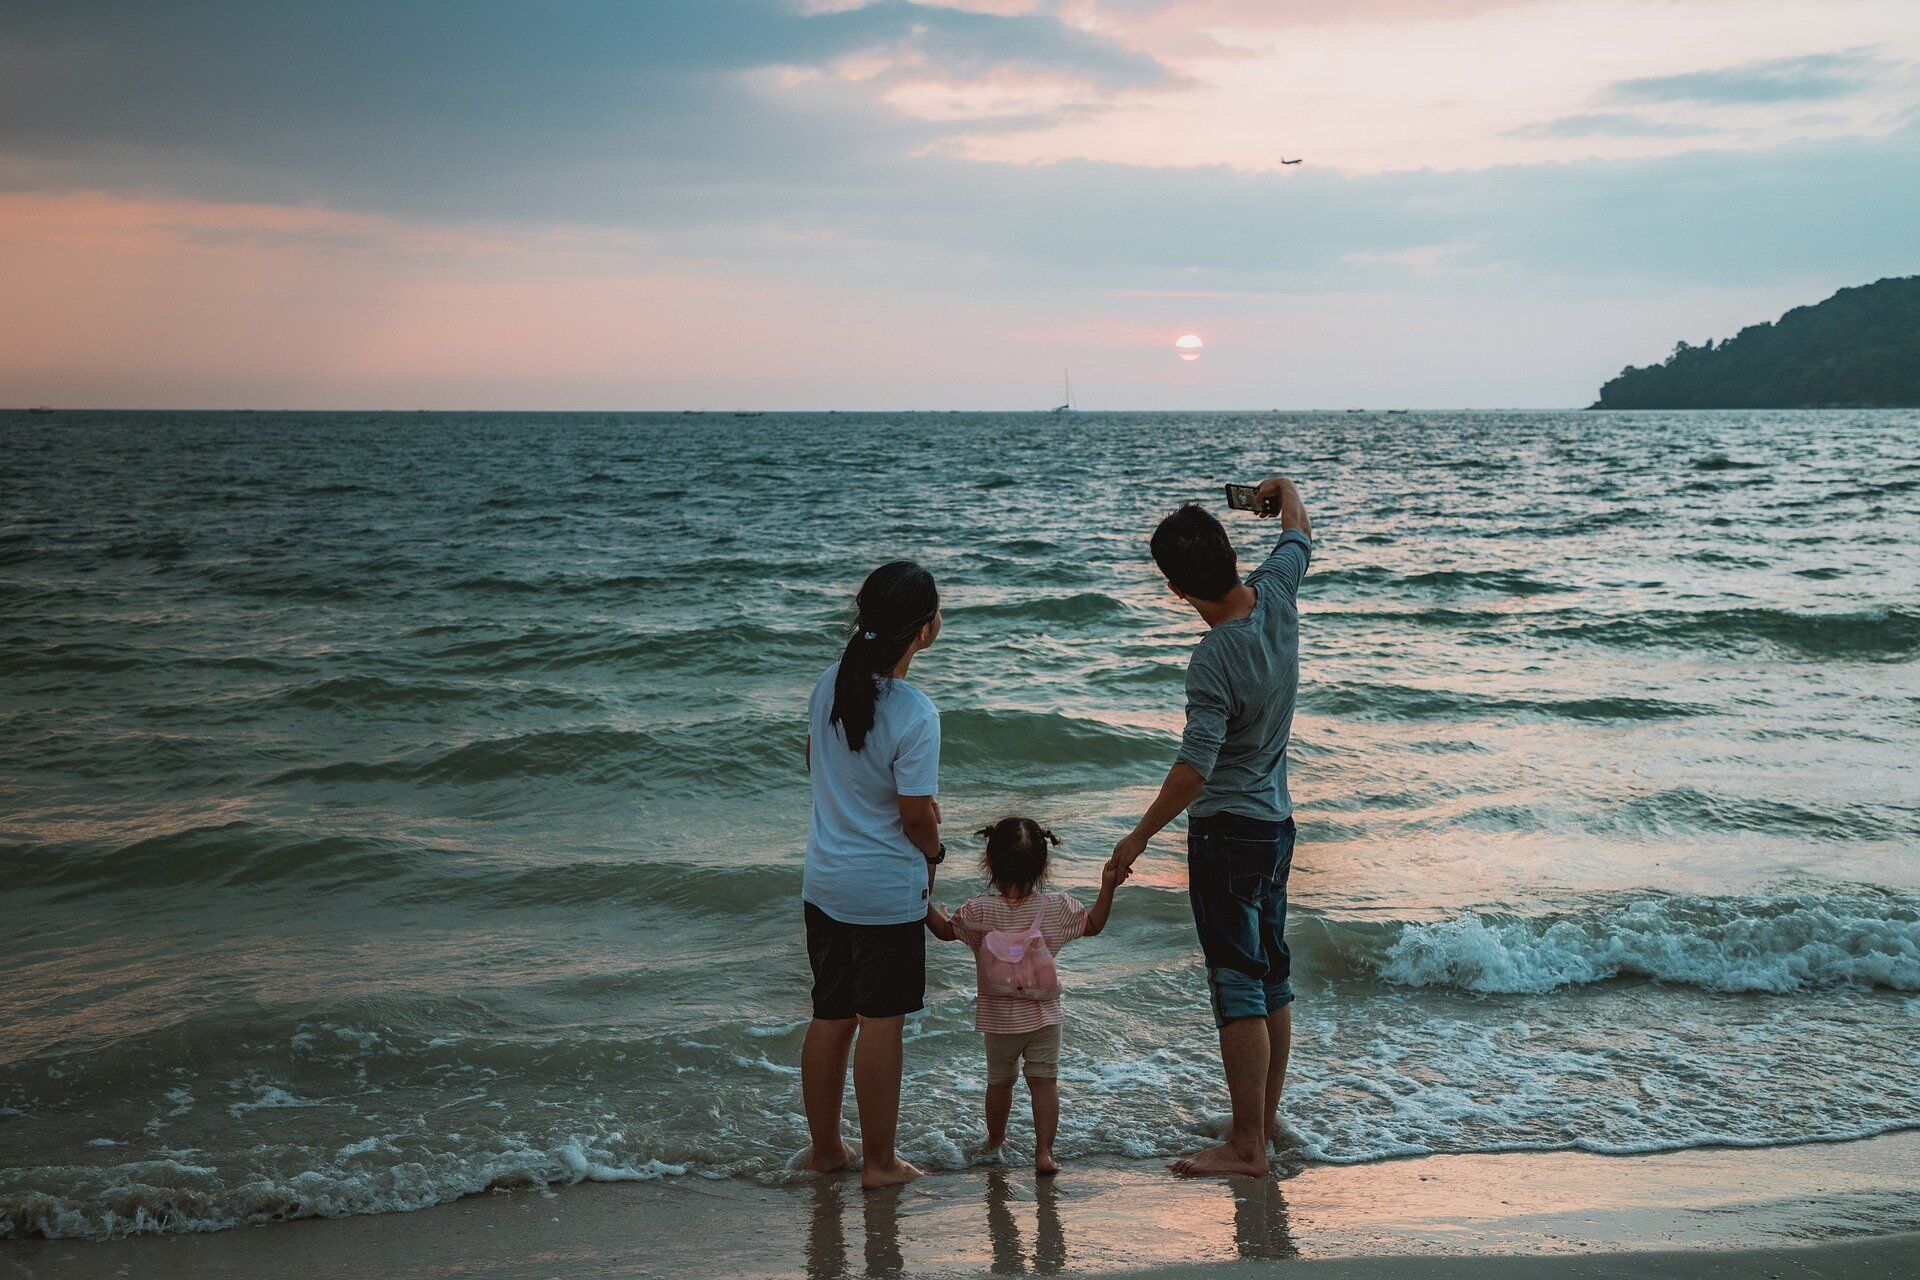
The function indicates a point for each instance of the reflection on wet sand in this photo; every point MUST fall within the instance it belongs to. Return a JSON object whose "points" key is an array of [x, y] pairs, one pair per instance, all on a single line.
{"points": [[938, 1236], [1049, 1257], [826, 1238], [882, 1214], [1260, 1219]]}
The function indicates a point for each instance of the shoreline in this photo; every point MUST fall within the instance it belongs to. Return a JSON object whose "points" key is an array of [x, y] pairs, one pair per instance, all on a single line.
{"points": [[1830, 1208]]}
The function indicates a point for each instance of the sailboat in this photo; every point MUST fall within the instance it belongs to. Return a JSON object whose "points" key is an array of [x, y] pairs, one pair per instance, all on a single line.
{"points": [[1067, 382]]}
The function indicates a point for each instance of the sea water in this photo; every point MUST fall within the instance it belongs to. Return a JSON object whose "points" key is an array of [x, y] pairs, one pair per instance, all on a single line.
{"points": [[402, 805]]}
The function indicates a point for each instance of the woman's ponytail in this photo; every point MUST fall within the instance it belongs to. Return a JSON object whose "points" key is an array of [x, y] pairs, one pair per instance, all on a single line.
{"points": [[895, 601]]}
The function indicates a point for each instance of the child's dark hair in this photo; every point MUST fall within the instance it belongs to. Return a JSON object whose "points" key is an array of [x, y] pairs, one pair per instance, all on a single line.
{"points": [[1016, 856]]}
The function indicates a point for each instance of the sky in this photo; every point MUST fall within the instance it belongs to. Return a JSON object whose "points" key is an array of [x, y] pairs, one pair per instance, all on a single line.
{"points": [[733, 204]]}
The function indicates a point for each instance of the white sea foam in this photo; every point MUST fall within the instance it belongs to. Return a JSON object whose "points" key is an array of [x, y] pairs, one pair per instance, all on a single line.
{"points": [[162, 1197], [1717, 944]]}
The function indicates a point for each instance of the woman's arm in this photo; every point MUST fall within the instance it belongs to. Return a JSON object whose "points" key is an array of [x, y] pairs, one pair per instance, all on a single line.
{"points": [[1103, 905], [920, 819]]}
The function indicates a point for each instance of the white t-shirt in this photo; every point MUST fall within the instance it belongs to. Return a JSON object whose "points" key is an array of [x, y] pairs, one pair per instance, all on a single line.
{"points": [[861, 868]]}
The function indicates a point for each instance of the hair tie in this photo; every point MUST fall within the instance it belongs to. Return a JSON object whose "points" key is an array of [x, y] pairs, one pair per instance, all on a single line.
{"points": [[868, 635]]}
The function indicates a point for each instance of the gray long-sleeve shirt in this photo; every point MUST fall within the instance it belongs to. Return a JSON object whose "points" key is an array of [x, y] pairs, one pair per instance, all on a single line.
{"points": [[1241, 684]]}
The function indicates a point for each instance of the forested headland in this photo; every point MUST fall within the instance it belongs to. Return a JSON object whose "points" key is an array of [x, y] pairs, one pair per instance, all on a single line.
{"points": [[1858, 349]]}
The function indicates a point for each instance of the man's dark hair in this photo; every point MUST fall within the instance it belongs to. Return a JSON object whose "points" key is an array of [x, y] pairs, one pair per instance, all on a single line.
{"points": [[1194, 552]]}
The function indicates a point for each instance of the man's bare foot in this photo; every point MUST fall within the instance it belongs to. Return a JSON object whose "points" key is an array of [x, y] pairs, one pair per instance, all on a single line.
{"points": [[888, 1175], [1044, 1163], [827, 1162], [1221, 1159]]}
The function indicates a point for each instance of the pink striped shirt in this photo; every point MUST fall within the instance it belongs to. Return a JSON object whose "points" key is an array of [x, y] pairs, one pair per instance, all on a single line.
{"points": [[1065, 920]]}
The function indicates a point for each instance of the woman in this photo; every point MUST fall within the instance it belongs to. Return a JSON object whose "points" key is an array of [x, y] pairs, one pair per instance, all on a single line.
{"points": [[873, 754]]}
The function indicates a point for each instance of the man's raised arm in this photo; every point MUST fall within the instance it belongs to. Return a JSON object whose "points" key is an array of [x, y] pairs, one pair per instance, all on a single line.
{"points": [[1280, 497]]}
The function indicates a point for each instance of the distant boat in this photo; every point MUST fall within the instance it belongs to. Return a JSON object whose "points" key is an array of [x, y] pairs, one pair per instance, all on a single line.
{"points": [[40, 408], [1356, 411], [1399, 411], [1067, 382], [747, 415]]}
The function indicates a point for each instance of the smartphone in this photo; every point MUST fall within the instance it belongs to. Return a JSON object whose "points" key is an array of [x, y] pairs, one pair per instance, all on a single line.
{"points": [[1245, 497]]}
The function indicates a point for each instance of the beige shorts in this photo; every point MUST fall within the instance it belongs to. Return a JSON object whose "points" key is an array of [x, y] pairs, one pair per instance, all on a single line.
{"points": [[1040, 1049]]}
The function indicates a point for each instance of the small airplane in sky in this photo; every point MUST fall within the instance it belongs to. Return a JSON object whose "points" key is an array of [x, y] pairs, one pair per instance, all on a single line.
{"points": [[1286, 161]]}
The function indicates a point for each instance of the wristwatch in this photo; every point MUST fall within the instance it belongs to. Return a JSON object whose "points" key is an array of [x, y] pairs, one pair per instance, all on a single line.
{"points": [[938, 858]]}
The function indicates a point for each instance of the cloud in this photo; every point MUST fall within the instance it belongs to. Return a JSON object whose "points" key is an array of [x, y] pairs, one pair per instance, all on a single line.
{"points": [[1609, 124], [1816, 77], [440, 105], [607, 203]]}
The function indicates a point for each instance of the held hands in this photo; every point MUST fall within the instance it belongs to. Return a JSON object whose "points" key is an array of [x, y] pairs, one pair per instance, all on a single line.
{"points": [[1125, 854]]}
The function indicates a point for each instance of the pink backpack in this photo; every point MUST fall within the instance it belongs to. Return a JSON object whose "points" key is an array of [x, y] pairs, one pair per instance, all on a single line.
{"points": [[1019, 966]]}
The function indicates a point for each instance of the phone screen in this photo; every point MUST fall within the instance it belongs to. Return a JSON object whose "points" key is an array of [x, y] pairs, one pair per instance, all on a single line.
{"points": [[1241, 497]]}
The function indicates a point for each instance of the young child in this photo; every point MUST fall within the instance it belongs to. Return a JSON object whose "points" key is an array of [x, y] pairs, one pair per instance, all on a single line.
{"points": [[1020, 1029]]}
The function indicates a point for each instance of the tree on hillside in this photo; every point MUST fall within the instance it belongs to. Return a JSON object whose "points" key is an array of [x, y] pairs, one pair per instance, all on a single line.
{"points": [[1858, 349]]}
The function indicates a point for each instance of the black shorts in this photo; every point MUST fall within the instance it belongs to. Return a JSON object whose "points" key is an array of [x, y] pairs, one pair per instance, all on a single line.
{"points": [[866, 970]]}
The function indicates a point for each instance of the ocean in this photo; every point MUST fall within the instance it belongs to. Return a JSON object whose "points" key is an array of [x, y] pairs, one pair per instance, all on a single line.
{"points": [[402, 805]]}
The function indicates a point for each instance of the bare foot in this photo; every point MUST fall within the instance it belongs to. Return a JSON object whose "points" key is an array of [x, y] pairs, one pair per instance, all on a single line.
{"points": [[888, 1175], [826, 1161], [1044, 1163], [1218, 1160]]}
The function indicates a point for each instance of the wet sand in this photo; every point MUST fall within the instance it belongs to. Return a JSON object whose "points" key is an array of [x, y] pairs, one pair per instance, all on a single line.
{"points": [[1830, 1210]]}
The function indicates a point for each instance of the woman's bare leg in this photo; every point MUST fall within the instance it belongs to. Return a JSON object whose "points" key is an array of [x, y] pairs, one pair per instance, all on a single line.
{"points": [[823, 1085], [876, 1091]]}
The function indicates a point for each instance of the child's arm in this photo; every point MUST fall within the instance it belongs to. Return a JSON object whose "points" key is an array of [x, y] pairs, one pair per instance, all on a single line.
{"points": [[939, 923], [1103, 905]]}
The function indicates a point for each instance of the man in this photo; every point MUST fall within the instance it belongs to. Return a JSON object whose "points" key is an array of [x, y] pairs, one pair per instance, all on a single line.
{"points": [[1232, 773]]}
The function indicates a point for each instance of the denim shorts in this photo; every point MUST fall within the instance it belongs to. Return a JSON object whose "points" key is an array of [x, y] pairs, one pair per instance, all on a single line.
{"points": [[1237, 882]]}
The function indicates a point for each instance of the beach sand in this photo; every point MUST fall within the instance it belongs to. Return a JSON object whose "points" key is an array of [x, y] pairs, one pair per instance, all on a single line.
{"points": [[1842, 1209]]}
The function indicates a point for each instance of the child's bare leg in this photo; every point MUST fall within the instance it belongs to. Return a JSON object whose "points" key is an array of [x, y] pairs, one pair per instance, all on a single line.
{"points": [[999, 1107], [1045, 1092]]}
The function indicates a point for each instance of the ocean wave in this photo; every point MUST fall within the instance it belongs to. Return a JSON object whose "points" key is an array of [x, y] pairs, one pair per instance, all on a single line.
{"points": [[1747, 944], [1878, 635], [1721, 462], [738, 648], [1005, 739], [372, 693], [728, 755], [230, 853], [680, 886], [1691, 809], [1080, 607], [149, 1198], [1407, 702], [1508, 582]]}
